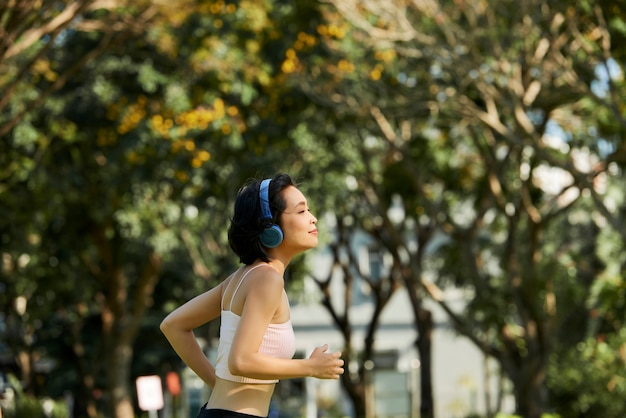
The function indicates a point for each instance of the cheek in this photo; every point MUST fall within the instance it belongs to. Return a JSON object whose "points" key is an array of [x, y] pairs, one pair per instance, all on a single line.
{"points": [[293, 225]]}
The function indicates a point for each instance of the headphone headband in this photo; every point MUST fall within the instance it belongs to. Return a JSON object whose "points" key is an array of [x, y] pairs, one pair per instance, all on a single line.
{"points": [[266, 212], [272, 235]]}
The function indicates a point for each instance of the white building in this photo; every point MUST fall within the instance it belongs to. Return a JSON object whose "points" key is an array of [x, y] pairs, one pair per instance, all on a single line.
{"points": [[459, 369]]}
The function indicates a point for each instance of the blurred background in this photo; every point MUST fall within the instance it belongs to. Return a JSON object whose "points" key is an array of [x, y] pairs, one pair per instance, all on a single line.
{"points": [[465, 160]]}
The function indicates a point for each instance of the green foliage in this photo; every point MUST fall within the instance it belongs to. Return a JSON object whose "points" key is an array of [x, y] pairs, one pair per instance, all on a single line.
{"points": [[587, 378], [141, 152], [500, 415], [25, 405], [444, 116], [36, 408]]}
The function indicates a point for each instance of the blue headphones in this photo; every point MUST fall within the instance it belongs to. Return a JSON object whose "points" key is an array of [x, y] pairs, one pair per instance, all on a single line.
{"points": [[272, 235]]}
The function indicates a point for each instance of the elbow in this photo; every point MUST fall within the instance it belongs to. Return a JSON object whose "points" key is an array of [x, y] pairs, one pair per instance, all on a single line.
{"points": [[238, 366], [166, 325]]}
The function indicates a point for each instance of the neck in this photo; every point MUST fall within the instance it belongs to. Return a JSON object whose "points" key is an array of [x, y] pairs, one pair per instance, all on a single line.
{"points": [[279, 262], [278, 265]]}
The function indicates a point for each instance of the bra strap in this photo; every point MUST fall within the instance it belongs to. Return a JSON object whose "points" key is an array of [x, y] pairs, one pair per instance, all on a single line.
{"points": [[238, 285]]}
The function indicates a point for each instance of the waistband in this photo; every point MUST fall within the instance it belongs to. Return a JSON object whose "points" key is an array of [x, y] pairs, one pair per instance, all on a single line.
{"points": [[223, 413]]}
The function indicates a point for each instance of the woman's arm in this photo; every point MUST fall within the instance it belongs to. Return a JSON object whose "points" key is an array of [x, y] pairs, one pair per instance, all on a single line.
{"points": [[178, 328], [264, 292]]}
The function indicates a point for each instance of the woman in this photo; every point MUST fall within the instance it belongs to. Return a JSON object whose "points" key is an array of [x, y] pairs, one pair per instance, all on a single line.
{"points": [[271, 224]]}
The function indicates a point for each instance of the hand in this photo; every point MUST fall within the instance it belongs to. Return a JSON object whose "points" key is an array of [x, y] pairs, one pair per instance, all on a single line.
{"points": [[326, 365]]}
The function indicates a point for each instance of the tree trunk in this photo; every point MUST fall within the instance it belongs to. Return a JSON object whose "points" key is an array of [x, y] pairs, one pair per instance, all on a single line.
{"points": [[84, 402], [424, 348], [528, 378], [423, 344], [530, 393], [354, 387], [359, 401], [25, 362], [118, 369], [122, 316]]}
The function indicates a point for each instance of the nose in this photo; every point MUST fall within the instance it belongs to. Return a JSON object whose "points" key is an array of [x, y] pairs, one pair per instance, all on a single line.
{"points": [[313, 219]]}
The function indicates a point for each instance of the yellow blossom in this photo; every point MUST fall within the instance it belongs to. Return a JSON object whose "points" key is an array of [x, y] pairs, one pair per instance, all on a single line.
{"points": [[218, 105], [386, 56], [203, 155], [196, 162], [289, 66], [346, 66], [216, 7], [176, 146], [182, 176]]}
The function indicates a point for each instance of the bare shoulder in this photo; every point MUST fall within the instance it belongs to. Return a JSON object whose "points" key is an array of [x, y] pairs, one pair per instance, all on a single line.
{"points": [[225, 283], [265, 276]]}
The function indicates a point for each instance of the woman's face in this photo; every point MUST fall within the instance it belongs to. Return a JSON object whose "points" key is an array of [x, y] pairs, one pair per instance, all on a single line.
{"points": [[297, 222]]}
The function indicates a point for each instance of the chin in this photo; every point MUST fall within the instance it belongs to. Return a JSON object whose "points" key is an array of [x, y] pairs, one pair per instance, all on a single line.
{"points": [[309, 245]]}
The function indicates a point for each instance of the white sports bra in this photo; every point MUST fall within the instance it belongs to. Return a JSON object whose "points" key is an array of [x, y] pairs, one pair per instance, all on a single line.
{"points": [[279, 340]]}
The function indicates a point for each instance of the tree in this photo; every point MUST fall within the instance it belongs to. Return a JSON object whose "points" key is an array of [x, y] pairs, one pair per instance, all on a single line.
{"points": [[474, 105], [112, 167], [30, 31], [381, 287]]}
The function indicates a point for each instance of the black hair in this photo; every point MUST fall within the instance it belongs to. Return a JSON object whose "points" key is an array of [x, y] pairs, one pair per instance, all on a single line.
{"points": [[246, 225]]}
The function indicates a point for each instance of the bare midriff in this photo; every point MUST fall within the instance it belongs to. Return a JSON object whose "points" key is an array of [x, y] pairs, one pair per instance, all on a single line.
{"points": [[247, 398]]}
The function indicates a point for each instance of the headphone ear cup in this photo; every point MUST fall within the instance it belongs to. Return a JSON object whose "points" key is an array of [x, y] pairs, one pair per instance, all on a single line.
{"points": [[272, 236]]}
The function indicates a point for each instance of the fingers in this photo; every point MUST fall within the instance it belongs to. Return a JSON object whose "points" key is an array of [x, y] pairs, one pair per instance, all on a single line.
{"points": [[326, 365], [323, 348], [339, 367]]}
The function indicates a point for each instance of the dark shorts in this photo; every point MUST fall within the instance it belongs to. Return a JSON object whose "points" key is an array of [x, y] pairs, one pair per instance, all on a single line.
{"points": [[223, 413]]}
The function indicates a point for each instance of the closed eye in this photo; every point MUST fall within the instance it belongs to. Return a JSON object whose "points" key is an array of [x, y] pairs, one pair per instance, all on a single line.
{"points": [[300, 208]]}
